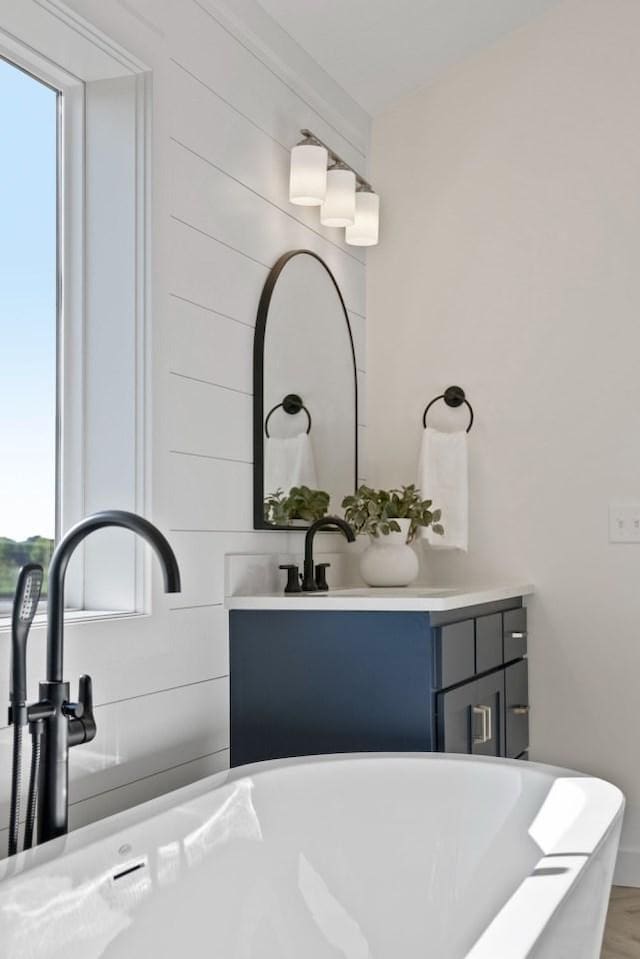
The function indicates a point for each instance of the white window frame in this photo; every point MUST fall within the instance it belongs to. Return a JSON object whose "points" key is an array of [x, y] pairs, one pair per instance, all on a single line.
{"points": [[104, 276]]}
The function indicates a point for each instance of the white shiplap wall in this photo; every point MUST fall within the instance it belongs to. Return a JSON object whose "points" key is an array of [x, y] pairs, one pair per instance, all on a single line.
{"points": [[230, 92]]}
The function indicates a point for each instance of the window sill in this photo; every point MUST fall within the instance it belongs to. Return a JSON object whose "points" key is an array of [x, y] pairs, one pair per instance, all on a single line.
{"points": [[73, 616]]}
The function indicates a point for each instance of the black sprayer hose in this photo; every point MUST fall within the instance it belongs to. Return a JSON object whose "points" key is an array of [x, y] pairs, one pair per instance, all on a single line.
{"points": [[33, 784], [16, 789]]}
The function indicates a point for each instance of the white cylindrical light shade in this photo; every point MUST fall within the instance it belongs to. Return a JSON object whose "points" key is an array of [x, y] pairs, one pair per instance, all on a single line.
{"points": [[339, 207], [364, 230], [308, 176]]}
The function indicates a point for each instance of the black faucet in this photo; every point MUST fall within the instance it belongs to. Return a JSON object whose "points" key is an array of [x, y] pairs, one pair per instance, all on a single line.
{"points": [[309, 584], [63, 723]]}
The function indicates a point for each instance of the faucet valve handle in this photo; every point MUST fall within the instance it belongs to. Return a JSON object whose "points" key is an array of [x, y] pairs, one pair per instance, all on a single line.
{"points": [[83, 725], [73, 710], [293, 579], [321, 576], [85, 693]]}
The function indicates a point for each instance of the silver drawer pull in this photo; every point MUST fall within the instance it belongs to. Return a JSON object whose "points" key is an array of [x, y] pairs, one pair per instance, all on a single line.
{"points": [[484, 712], [520, 710], [518, 635], [489, 726]]}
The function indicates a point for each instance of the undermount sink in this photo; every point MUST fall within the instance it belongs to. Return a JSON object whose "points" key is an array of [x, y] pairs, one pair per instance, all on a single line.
{"points": [[362, 592]]}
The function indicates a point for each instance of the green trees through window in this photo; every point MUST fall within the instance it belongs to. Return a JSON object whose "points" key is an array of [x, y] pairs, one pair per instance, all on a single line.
{"points": [[13, 555]]}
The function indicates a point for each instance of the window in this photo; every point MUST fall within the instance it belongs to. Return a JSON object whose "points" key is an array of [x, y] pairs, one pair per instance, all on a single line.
{"points": [[74, 301], [28, 322]]}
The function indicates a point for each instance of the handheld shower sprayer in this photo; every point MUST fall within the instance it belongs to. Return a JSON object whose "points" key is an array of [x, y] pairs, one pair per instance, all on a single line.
{"points": [[25, 605]]}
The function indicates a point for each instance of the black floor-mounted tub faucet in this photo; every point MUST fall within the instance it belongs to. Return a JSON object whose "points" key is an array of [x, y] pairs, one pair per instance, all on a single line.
{"points": [[63, 723]]}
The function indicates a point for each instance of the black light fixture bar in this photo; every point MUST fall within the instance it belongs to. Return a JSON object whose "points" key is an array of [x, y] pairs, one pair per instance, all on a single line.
{"points": [[336, 160]]}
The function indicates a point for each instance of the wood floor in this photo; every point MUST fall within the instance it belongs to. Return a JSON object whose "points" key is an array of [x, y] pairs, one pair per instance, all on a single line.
{"points": [[622, 934]]}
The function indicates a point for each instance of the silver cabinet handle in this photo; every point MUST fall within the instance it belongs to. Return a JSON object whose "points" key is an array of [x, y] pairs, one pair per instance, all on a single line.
{"points": [[520, 710], [484, 712], [518, 635], [489, 712]]}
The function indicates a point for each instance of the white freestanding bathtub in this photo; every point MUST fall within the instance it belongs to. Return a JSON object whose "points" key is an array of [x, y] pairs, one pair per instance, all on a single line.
{"points": [[380, 856]]}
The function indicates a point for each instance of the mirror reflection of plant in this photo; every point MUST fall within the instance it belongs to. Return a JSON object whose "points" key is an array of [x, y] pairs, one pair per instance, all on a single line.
{"points": [[300, 502], [375, 511]]}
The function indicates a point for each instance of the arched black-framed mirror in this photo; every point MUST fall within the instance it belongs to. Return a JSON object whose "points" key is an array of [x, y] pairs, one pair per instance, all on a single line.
{"points": [[305, 405]]}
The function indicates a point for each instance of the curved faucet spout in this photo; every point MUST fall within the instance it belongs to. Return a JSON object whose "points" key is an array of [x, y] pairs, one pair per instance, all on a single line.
{"points": [[60, 561], [328, 523]]}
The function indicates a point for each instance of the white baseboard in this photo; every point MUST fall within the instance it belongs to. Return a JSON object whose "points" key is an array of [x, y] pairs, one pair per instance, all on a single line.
{"points": [[627, 871]]}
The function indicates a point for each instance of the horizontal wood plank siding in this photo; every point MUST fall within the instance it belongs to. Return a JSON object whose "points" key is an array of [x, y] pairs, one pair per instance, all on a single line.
{"points": [[224, 120]]}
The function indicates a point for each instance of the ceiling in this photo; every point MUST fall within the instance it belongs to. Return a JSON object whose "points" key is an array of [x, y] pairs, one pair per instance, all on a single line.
{"points": [[380, 50]]}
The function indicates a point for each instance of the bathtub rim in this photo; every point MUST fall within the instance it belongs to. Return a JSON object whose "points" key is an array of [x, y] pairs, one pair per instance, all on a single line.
{"points": [[102, 829]]}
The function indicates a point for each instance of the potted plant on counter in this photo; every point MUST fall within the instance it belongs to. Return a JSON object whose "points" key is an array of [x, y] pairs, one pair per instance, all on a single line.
{"points": [[300, 506], [391, 519]]}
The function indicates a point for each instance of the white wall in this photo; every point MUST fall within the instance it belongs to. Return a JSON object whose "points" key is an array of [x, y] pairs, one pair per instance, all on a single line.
{"points": [[509, 264], [227, 105]]}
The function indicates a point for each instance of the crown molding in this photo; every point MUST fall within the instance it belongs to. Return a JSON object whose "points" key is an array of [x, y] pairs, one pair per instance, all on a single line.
{"points": [[268, 41]]}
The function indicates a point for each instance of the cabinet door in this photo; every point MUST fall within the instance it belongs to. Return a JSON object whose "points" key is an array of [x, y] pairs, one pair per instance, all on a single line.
{"points": [[454, 719], [470, 718], [487, 716], [516, 686]]}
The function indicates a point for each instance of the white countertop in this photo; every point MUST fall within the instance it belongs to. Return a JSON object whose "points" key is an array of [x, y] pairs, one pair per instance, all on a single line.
{"points": [[417, 599]]}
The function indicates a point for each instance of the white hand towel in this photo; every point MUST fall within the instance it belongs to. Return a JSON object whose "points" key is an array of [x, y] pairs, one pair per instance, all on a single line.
{"points": [[443, 476], [289, 462]]}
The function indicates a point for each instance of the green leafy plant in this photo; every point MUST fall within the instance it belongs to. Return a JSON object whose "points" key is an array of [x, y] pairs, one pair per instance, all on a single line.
{"points": [[300, 502], [375, 511]]}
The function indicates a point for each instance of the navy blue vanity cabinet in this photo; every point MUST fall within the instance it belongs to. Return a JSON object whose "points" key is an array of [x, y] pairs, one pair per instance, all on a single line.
{"points": [[307, 682]]}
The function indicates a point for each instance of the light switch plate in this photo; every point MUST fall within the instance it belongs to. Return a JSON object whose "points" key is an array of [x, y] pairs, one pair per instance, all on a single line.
{"points": [[624, 523]]}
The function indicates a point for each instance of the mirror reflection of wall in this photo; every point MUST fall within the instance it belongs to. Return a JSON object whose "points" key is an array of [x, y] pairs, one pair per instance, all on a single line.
{"points": [[305, 404]]}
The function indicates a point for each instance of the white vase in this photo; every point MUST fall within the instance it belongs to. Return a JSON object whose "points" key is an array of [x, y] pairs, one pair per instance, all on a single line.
{"points": [[389, 560]]}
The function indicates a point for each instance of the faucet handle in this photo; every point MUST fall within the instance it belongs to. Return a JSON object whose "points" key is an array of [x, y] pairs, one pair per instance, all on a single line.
{"points": [[321, 576], [293, 579], [83, 725], [85, 694]]}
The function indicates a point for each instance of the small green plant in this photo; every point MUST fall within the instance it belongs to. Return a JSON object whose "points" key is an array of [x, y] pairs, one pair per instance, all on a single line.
{"points": [[300, 502], [376, 511]]}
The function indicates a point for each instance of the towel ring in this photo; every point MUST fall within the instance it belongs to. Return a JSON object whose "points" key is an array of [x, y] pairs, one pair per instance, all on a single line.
{"points": [[453, 396], [291, 404]]}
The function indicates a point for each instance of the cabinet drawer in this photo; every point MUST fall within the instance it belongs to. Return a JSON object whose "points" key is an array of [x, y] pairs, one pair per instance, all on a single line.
{"points": [[516, 708], [470, 718], [514, 634], [454, 653], [488, 642]]}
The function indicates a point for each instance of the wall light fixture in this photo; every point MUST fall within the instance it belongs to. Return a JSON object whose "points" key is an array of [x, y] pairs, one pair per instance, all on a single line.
{"points": [[319, 177]]}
